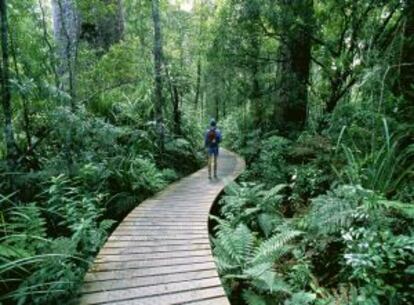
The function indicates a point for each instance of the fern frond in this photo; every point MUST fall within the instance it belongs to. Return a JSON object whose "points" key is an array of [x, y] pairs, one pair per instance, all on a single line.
{"points": [[270, 281], [252, 298], [268, 222], [237, 242], [333, 212], [301, 298], [275, 247]]}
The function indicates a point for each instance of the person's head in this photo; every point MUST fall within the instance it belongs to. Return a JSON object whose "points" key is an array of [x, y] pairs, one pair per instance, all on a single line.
{"points": [[213, 123]]}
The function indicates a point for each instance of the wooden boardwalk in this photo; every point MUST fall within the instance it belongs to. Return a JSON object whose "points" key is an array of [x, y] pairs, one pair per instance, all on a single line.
{"points": [[160, 254]]}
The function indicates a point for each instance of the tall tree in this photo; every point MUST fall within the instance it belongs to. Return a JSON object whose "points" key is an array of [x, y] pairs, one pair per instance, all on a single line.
{"points": [[66, 31], [249, 19], [198, 83], [102, 23], [255, 95], [295, 58], [407, 69], [158, 58], [200, 11], [175, 100], [5, 92]]}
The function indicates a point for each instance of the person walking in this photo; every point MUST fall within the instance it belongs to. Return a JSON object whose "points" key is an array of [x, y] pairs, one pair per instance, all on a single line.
{"points": [[212, 141]]}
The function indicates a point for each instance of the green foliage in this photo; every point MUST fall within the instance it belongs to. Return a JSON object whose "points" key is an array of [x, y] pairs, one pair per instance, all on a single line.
{"points": [[86, 156], [301, 298], [385, 167], [337, 242], [269, 166], [324, 217], [244, 257], [43, 266]]}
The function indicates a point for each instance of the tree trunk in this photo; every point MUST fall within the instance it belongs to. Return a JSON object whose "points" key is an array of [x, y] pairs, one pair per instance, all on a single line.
{"points": [[198, 83], [45, 36], [12, 152], [294, 71], [176, 111], [255, 90], [158, 56], [407, 68], [175, 99], [107, 28], [66, 32], [25, 102], [224, 111], [111, 26], [217, 108], [104, 30]]}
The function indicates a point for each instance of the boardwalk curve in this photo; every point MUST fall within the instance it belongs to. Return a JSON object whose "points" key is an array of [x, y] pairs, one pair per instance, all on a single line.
{"points": [[160, 254]]}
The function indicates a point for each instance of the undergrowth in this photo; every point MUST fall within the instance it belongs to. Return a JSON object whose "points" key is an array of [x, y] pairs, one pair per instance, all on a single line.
{"points": [[52, 228], [319, 220]]}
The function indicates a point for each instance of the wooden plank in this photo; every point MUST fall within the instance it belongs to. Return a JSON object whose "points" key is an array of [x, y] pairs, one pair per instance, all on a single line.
{"points": [[142, 241], [157, 249], [154, 234], [160, 254], [138, 237], [155, 244], [145, 272], [166, 218], [178, 211], [151, 280], [142, 222], [137, 264], [148, 291], [145, 251], [152, 222], [170, 299], [159, 231], [210, 301], [149, 256], [179, 226]]}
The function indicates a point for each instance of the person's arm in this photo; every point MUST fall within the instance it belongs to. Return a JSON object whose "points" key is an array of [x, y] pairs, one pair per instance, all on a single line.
{"points": [[219, 136]]}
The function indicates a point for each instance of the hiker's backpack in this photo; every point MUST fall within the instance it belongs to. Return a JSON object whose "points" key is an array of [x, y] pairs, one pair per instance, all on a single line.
{"points": [[212, 137]]}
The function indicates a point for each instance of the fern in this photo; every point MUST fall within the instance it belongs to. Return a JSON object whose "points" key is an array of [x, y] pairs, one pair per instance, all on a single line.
{"points": [[252, 298], [237, 242], [268, 223], [335, 211], [243, 257], [276, 246], [271, 282], [25, 228], [301, 298]]}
